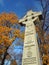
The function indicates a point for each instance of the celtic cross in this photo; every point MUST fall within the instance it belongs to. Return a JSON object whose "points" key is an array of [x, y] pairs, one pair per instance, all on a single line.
{"points": [[30, 50]]}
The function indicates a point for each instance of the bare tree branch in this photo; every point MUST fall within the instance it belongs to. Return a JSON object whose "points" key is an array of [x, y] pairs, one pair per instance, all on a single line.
{"points": [[44, 12], [46, 28]]}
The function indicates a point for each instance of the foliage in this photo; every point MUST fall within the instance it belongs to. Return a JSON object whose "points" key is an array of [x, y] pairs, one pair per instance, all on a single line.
{"points": [[42, 28], [8, 33], [13, 62]]}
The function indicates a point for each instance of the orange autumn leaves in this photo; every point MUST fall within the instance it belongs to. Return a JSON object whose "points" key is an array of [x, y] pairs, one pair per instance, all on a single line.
{"points": [[8, 17], [5, 28], [43, 37]]}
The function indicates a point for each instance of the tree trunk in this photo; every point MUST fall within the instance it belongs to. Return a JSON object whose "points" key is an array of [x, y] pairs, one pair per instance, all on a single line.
{"points": [[5, 54]]}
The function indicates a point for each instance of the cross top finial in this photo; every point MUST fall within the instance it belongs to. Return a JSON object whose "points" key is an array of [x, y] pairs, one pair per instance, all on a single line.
{"points": [[30, 16]]}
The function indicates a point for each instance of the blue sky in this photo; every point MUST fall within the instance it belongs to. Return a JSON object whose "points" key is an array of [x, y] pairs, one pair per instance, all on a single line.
{"points": [[19, 7]]}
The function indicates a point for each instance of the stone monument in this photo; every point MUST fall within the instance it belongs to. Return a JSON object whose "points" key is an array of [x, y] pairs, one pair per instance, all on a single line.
{"points": [[30, 51]]}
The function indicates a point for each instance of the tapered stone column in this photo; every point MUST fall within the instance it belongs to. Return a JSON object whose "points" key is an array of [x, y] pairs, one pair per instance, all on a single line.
{"points": [[30, 50]]}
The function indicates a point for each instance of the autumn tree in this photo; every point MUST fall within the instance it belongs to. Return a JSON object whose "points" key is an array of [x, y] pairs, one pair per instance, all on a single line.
{"points": [[8, 33], [13, 62], [42, 27]]}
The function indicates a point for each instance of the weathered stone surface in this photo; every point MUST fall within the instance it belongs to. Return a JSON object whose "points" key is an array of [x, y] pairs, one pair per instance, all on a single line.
{"points": [[30, 51]]}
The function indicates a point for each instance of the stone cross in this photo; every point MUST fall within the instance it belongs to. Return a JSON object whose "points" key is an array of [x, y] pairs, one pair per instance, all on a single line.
{"points": [[30, 50]]}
